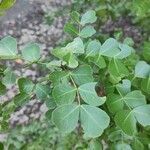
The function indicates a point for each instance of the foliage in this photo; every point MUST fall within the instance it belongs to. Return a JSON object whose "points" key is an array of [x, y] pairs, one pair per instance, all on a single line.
{"points": [[93, 87], [6, 4]]}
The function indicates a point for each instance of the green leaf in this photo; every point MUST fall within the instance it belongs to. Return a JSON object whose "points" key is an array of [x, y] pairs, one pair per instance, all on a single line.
{"points": [[99, 61], [64, 94], [114, 103], [95, 145], [124, 88], [31, 52], [57, 76], [117, 68], [83, 74], [9, 78], [110, 48], [137, 145], [121, 146], [76, 46], [142, 69], [87, 31], [21, 99], [93, 120], [88, 17], [132, 100], [71, 29], [25, 85], [1, 146], [8, 47], [125, 51], [145, 85], [6, 4], [42, 91], [71, 60], [93, 48], [2, 88], [126, 121], [146, 51], [89, 95], [75, 16], [135, 99], [142, 114], [66, 117]]}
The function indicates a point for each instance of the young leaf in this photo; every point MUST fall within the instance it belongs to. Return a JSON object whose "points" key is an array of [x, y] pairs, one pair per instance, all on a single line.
{"points": [[76, 46], [87, 31], [88, 17], [42, 91], [31, 52], [25, 85], [66, 117], [125, 87], [64, 94], [142, 114], [89, 95], [126, 121], [93, 120], [83, 74], [145, 85], [117, 68], [142, 69], [8, 47]]}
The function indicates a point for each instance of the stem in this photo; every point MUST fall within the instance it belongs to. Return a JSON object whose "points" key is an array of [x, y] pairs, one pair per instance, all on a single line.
{"points": [[74, 84]]}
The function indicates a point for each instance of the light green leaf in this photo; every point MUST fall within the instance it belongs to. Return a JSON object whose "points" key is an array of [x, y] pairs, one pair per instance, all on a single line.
{"points": [[42, 91], [2, 88], [87, 31], [142, 114], [8, 47], [125, 51], [88, 17], [66, 117], [9, 77], [6, 4], [124, 88], [25, 85], [89, 95], [93, 48], [93, 120], [117, 68], [21, 99], [121, 146], [31, 52], [70, 28], [64, 94], [110, 48], [135, 99], [126, 121], [83, 74], [76, 46], [145, 85], [142, 69]]}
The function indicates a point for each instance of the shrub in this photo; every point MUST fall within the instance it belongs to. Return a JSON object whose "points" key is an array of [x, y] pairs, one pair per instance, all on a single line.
{"points": [[101, 89]]}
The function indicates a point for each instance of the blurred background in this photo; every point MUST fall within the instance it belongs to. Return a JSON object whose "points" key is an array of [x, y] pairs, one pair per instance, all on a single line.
{"points": [[42, 21]]}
